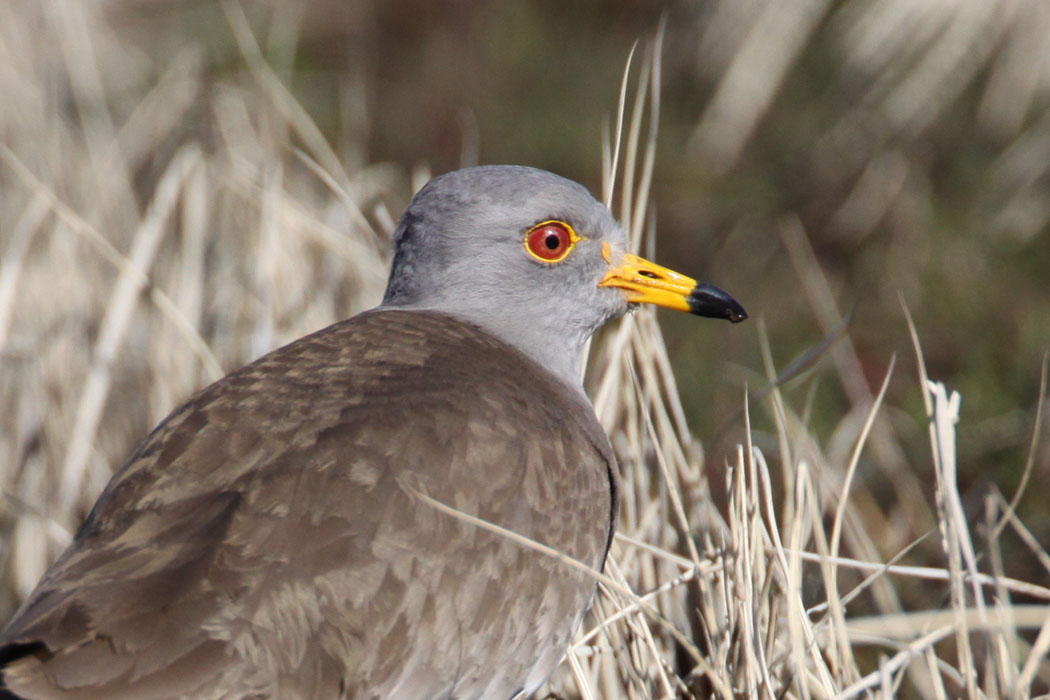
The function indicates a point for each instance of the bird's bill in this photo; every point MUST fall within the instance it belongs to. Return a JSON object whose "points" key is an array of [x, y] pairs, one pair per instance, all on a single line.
{"points": [[644, 282]]}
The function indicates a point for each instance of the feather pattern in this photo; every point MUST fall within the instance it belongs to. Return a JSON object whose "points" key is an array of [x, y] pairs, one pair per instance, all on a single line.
{"points": [[267, 539]]}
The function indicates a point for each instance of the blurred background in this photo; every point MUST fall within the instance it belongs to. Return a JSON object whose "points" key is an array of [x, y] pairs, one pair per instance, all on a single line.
{"points": [[824, 162]]}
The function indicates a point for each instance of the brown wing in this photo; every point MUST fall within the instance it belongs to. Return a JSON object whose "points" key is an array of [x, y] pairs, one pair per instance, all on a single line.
{"points": [[267, 539]]}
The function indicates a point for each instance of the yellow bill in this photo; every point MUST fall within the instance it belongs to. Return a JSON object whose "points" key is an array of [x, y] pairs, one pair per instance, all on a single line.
{"points": [[645, 282]]}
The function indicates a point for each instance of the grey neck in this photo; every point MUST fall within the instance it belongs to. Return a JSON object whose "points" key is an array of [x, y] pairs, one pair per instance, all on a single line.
{"points": [[559, 354], [553, 348]]}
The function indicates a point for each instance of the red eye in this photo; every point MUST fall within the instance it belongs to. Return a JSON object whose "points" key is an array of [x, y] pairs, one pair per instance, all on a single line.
{"points": [[550, 241]]}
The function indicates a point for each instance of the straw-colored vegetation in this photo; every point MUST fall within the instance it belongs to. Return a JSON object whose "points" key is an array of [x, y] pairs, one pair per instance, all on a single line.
{"points": [[164, 219]]}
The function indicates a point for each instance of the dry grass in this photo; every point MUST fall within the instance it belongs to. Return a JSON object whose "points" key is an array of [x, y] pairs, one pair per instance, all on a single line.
{"points": [[754, 601], [160, 226]]}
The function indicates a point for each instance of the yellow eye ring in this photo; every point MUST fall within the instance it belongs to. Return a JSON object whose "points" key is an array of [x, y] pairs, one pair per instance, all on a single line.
{"points": [[550, 241]]}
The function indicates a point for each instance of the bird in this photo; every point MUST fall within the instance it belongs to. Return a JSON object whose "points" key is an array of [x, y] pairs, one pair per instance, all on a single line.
{"points": [[369, 511]]}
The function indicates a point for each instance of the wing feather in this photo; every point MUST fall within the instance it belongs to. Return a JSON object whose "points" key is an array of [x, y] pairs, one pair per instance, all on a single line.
{"points": [[265, 540]]}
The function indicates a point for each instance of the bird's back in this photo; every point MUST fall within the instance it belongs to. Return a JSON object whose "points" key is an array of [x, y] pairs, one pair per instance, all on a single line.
{"points": [[278, 536]]}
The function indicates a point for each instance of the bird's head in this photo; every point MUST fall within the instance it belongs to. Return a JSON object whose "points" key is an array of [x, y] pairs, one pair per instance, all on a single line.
{"points": [[533, 258]]}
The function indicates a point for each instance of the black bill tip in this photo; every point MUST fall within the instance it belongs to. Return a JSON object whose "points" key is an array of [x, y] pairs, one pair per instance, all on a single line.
{"points": [[711, 302]]}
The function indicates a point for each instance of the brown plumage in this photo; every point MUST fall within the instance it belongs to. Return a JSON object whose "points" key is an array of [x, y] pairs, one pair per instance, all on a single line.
{"points": [[310, 570], [285, 533]]}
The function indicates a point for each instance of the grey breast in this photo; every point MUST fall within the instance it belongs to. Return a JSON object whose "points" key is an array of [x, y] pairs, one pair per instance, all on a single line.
{"points": [[268, 539]]}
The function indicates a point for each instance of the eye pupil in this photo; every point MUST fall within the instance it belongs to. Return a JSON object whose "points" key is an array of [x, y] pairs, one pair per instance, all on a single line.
{"points": [[553, 241]]}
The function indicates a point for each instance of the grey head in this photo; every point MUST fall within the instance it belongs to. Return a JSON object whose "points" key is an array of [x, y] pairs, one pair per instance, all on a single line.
{"points": [[532, 258]]}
